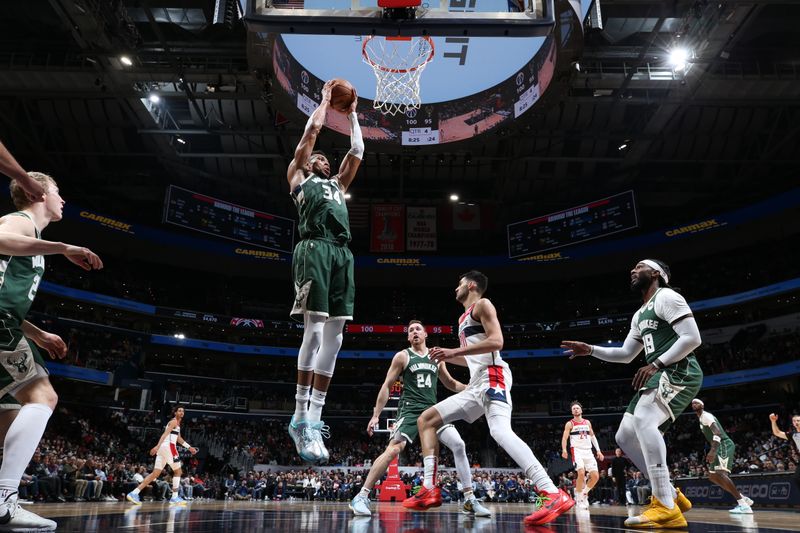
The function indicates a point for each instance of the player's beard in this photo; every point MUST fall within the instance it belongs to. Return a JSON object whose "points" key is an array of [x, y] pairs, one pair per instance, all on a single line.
{"points": [[641, 283]]}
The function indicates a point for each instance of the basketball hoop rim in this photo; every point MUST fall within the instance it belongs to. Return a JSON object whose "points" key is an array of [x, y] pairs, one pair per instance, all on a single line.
{"points": [[397, 70]]}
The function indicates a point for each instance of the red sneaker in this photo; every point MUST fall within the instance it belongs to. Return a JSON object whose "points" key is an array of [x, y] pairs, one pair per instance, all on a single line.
{"points": [[550, 506], [424, 499]]}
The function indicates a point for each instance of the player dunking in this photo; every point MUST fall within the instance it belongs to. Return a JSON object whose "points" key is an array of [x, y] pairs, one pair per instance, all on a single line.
{"points": [[166, 453], [322, 268], [23, 373], [488, 393], [580, 435], [665, 327], [720, 457], [419, 393]]}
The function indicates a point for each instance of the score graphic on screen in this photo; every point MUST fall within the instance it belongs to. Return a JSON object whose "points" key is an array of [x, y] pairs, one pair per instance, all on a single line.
{"points": [[571, 226], [217, 217], [395, 328], [420, 127]]}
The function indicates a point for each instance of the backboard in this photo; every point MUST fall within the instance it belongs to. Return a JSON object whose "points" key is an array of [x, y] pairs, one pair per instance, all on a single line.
{"points": [[459, 18]]}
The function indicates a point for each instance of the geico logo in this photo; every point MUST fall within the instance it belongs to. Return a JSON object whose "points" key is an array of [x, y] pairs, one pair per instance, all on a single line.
{"points": [[696, 492], [755, 490], [779, 490], [715, 493]]}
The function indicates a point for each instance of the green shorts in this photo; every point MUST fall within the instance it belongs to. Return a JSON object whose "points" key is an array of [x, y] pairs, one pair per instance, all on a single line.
{"points": [[323, 280], [405, 427], [724, 459], [8, 403], [675, 386], [20, 366]]}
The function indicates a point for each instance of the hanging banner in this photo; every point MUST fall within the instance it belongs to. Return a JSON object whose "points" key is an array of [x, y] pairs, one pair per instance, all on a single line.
{"points": [[388, 228], [421, 229], [466, 217]]}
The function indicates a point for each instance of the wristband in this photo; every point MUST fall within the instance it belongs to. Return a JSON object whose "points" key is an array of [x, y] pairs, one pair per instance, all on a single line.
{"points": [[659, 364], [716, 438], [591, 349], [186, 445]]}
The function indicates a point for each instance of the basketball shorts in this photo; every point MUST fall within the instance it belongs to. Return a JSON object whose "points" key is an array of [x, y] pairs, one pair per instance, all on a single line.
{"points": [[724, 459], [491, 386], [584, 460], [675, 386], [20, 366], [324, 284], [405, 427], [8, 403], [168, 456]]}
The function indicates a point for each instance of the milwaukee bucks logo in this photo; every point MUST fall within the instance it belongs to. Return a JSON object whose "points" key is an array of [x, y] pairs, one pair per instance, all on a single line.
{"points": [[20, 364]]}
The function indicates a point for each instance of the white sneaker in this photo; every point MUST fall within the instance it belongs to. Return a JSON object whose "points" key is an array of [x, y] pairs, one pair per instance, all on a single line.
{"points": [[22, 520], [741, 509], [748, 501]]}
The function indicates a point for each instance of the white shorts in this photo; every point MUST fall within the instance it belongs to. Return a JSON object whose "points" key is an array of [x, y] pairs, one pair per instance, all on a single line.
{"points": [[477, 399], [167, 456], [584, 460]]}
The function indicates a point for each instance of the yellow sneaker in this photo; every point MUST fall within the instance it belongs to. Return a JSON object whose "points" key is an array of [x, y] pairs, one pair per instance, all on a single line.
{"points": [[657, 516], [683, 503]]}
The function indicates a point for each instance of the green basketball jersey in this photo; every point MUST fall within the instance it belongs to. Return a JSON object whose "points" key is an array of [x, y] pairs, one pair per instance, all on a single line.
{"points": [[322, 208], [19, 281], [419, 382], [656, 332], [706, 420]]}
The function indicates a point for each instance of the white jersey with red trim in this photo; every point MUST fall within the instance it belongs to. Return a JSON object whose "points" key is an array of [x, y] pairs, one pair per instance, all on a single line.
{"points": [[171, 441], [470, 331], [580, 437]]}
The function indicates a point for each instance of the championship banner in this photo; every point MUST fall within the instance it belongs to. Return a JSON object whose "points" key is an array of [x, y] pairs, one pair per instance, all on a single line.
{"points": [[421, 229], [388, 228]]}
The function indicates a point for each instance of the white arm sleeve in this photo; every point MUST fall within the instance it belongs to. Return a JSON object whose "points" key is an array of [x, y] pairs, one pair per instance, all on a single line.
{"points": [[706, 419], [595, 443], [356, 141], [627, 353], [688, 340]]}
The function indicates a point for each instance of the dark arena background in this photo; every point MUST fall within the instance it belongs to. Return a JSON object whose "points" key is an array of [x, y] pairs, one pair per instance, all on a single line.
{"points": [[555, 146]]}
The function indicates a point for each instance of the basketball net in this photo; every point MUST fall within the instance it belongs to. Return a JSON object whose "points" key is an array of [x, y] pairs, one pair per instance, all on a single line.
{"points": [[398, 63]]}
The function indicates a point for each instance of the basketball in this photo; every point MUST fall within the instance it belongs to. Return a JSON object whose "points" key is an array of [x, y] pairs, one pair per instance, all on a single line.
{"points": [[342, 95]]}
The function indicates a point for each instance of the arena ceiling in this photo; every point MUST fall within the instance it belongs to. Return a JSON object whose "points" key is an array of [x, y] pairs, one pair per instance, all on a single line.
{"points": [[724, 133]]}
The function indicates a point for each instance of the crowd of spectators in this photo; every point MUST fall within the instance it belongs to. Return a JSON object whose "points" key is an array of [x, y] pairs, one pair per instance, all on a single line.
{"points": [[99, 454]]}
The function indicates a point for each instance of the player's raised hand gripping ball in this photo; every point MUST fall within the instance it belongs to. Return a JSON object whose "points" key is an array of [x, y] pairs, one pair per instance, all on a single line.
{"points": [[343, 95]]}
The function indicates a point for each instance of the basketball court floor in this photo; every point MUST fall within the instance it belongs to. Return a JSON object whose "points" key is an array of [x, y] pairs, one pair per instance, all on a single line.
{"points": [[242, 517]]}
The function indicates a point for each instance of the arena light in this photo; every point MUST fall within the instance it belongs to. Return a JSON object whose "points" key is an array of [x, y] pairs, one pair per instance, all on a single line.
{"points": [[179, 336], [453, 197], [154, 98], [125, 60], [180, 140], [347, 196], [678, 58]]}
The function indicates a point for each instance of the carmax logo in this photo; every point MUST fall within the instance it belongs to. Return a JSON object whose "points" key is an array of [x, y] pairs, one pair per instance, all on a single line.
{"points": [[107, 222], [695, 228]]}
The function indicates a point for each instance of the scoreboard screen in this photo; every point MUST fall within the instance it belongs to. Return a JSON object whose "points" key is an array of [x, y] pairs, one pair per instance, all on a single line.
{"points": [[230, 221], [395, 328], [571, 226]]}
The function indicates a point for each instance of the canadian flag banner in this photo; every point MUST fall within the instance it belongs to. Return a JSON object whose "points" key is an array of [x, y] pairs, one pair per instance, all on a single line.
{"points": [[466, 217]]}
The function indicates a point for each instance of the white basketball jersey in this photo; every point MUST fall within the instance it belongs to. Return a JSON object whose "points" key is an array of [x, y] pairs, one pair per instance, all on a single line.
{"points": [[470, 331], [172, 440], [579, 436]]}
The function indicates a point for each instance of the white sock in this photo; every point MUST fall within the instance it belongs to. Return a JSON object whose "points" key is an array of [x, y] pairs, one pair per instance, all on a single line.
{"points": [[364, 492], [22, 438], [430, 462], [301, 402], [317, 402], [659, 480], [468, 494], [136, 490], [176, 481], [743, 502]]}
